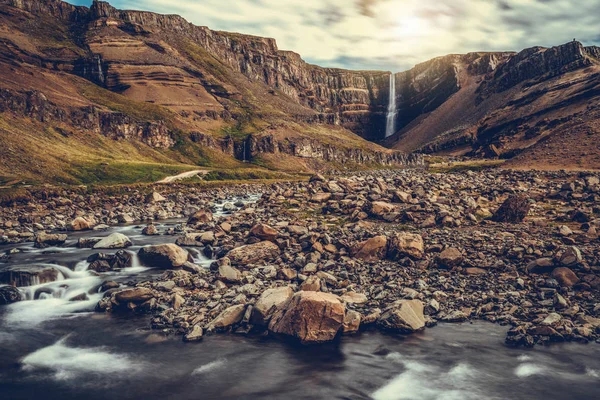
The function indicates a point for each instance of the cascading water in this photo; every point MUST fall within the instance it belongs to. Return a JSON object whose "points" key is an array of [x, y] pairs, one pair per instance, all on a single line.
{"points": [[390, 127]]}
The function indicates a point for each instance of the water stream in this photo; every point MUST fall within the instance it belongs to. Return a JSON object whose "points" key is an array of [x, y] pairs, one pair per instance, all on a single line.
{"points": [[390, 127], [54, 348]]}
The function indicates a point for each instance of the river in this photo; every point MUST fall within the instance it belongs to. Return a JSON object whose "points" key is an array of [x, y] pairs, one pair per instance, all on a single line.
{"points": [[53, 348]]}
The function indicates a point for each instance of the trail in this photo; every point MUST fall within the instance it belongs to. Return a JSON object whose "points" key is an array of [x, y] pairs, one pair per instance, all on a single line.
{"points": [[184, 175]]}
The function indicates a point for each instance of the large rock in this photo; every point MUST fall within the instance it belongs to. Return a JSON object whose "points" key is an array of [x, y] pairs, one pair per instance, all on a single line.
{"points": [[310, 317], [571, 256], [81, 224], [229, 274], [450, 258], [200, 217], [404, 244], [114, 241], [565, 276], [43, 240], [513, 210], [253, 253], [9, 294], [155, 197], [227, 318], [28, 275], [380, 208], [405, 316], [264, 232], [165, 256], [267, 304], [372, 249], [134, 295]]}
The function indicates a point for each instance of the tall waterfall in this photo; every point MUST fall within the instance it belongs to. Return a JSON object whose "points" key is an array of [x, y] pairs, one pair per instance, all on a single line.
{"points": [[390, 127]]}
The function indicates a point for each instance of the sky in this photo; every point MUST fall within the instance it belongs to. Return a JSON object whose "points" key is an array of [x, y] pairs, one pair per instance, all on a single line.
{"points": [[391, 35]]}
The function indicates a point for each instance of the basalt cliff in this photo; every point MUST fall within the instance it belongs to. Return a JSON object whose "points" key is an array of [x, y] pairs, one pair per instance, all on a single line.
{"points": [[95, 85]]}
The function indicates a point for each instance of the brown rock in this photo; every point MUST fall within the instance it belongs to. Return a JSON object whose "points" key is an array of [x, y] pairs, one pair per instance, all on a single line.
{"points": [[450, 258], [565, 276], [163, 256], [404, 244], [135, 295], [311, 284], [253, 253], [513, 210], [351, 322], [311, 317], [264, 232], [372, 249], [228, 317], [406, 316], [200, 217], [267, 304]]}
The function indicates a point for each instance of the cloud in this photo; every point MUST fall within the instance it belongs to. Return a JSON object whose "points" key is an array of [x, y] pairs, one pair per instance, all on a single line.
{"points": [[391, 34]]}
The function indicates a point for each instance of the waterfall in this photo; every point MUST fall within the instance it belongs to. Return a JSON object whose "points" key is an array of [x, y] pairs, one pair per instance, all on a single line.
{"points": [[100, 71], [390, 127]]}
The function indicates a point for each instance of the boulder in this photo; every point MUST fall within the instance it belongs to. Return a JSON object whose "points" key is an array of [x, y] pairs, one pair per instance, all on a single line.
{"points": [[43, 240], [150, 230], [81, 224], [114, 241], [571, 256], [450, 258], [134, 295], [310, 317], [267, 304], [513, 210], [565, 276], [380, 208], [373, 249], [311, 284], [264, 232], [200, 217], [253, 253], [155, 197], [404, 244], [354, 298], [228, 317], [227, 273], [165, 256], [351, 322], [405, 316], [194, 335]]}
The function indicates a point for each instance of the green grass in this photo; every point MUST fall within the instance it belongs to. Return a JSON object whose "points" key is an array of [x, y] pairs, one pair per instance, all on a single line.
{"points": [[119, 173], [462, 166]]}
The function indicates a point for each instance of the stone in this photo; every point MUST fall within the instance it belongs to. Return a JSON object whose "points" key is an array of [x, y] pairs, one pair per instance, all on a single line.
{"points": [[134, 295], [28, 275], [372, 249], [43, 240], [380, 208], [514, 209], [166, 256], [450, 258], [125, 218], [150, 230], [406, 316], [253, 253], [310, 317], [264, 232], [81, 224], [229, 274], [114, 241], [552, 319], [200, 217], [227, 318], [565, 277], [9, 294], [267, 304], [311, 284], [155, 197], [404, 244], [571, 256], [454, 316], [354, 298], [194, 335], [351, 322]]}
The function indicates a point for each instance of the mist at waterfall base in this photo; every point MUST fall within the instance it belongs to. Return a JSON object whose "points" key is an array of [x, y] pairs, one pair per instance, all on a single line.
{"points": [[54, 348], [390, 126]]}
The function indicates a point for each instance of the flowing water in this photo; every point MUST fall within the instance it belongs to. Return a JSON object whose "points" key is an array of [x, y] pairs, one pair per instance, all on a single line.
{"points": [[390, 127], [53, 348]]}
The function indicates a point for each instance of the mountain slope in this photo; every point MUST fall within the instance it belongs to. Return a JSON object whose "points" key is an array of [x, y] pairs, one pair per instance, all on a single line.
{"points": [[166, 91]]}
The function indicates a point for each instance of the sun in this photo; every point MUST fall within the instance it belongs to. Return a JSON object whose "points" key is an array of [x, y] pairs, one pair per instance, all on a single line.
{"points": [[411, 26]]}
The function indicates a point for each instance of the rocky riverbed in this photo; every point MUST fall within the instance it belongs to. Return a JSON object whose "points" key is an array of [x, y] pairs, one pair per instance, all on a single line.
{"points": [[396, 250]]}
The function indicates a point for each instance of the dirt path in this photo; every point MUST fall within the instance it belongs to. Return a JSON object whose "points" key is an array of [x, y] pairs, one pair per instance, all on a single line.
{"points": [[184, 175]]}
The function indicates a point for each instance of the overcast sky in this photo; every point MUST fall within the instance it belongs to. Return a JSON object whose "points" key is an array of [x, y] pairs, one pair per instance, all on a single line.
{"points": [[390, 34]]}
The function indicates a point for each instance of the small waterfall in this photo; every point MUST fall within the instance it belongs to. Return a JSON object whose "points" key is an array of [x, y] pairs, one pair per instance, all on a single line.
{"points": [[100, 71], [390, 127]]}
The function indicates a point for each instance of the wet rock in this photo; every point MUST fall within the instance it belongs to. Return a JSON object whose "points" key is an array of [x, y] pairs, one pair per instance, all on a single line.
{"points": [[114, 241], [81, 224], [310, 317], [194, 335], [267, 304], [513, 210], [155, 197], [9, 294], [166, 256], [43, 240], [133, 295], [351, 322], [150, 230], [200, 217], [405, 316], [253, 253], [229, 317], [28, 275]]}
